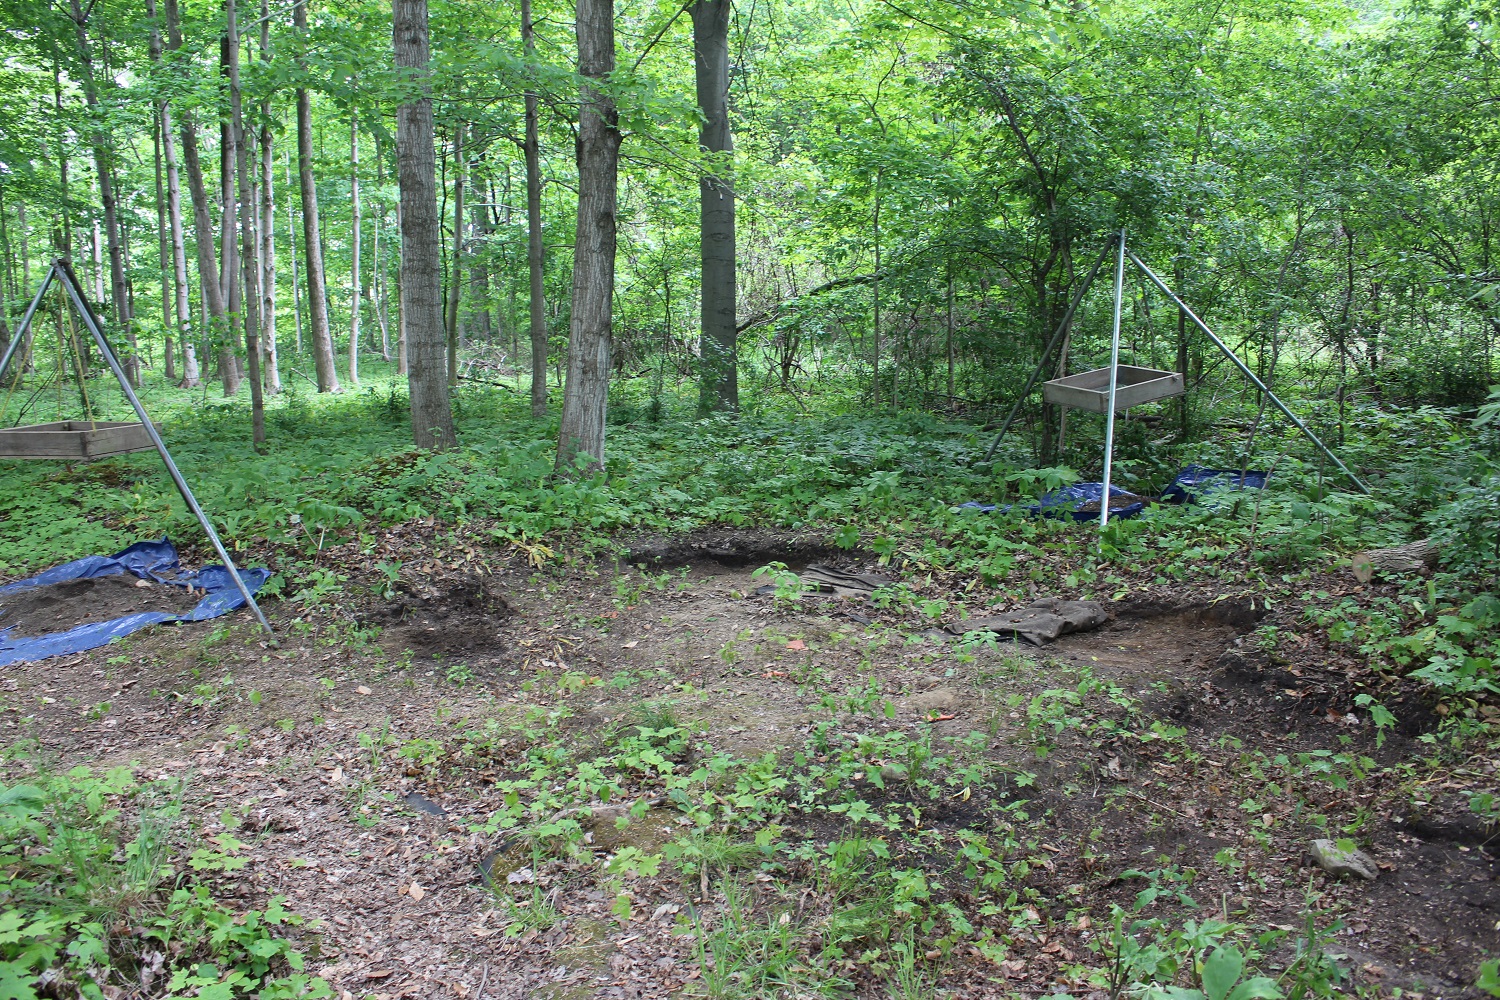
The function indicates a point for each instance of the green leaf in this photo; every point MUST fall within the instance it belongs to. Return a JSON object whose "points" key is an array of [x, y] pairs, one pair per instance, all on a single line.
{"points": [[1256, 988], [1489, 977], [15, 982], [1221, 971]]}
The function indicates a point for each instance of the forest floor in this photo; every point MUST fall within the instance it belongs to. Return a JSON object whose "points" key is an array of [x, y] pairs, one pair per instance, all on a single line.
{"points": [[800, 791]]}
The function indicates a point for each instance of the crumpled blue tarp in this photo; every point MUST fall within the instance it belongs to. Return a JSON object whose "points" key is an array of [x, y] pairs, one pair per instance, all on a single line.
{"points": [[1064, 502], [146, 560], [1194, 481], [143, 559]]}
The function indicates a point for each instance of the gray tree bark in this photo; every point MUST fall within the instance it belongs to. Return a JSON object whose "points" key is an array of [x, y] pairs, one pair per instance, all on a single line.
{"points": [[163, 242], [719, 377], [586, 392], [249, 256], [229, 253], [421, 238], [291, 238], [535, 260], [203, 227], [354, 289], [455, 273], [100, 143], [270, 354], [312, 257]]}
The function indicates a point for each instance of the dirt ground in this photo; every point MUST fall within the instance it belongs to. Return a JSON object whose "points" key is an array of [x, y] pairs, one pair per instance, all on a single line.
{"points": [[336, 752]]}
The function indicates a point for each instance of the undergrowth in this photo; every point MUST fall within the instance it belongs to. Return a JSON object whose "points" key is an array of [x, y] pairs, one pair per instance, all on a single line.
{"points": [[95, 901]]}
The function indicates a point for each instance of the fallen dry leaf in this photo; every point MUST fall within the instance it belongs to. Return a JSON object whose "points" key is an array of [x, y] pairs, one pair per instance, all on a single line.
{"points": [[416, 892], [363, 690], [796, 644], [939, 717], [631, 644], [377, 974]]}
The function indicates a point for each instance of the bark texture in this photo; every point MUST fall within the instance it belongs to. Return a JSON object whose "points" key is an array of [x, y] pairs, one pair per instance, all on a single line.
{"points": [[249, 255], [102, 155], [354, 249], [421, 238], [455, 273], [203, 227], [535, 260], [312, 257], [586, 392], [269, 354], [719, 377]]}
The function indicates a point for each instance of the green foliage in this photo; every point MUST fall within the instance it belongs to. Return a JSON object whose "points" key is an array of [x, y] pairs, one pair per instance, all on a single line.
{"points": [[86, 855]]}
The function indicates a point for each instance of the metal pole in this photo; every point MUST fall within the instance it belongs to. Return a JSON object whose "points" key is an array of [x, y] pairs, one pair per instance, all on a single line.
{"points": [[70, 282], [20, 333], [1114, 379], [1245, 370], [1062, 328]]}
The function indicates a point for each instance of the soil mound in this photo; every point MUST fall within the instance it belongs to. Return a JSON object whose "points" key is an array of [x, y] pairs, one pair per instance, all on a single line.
{"points": [[464, 618], [61, 606]]}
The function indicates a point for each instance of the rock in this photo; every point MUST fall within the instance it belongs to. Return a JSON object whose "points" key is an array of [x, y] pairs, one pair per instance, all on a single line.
{"points": [[1336, 861], [940, 699]]}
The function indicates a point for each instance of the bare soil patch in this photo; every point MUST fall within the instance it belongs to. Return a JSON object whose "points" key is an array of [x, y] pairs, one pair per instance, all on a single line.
{"points": [[322, 747], [58, 607]]}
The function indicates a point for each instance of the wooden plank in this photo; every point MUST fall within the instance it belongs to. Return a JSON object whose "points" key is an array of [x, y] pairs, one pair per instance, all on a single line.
{"points": [[1090, 390], [74, 440]]}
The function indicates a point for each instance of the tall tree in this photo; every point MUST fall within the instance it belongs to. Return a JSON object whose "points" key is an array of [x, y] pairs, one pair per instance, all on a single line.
{"points": [[98, 137], [535, 261], [586, 392], [182, 322], [203, 227], [354, 247], [267, 221], [455, 272], [421, 236], [312, 241], [229, 251], [719, 379], [163, 243], [249, 252]]}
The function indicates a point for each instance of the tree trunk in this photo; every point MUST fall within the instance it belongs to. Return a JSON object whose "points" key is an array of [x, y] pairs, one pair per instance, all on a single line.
{"points": [[291, 237], [719, 378], [317, 292], [455, 273], [403, 366], [535, 261], [163, 242], [381, 289], [354, 289], [182, 319], [229, 251], [249, 256], [98, 140], [876, 357], [586, 392], [208, 270], [421, 237], [950, 337], [477, 325], [268, 222]]}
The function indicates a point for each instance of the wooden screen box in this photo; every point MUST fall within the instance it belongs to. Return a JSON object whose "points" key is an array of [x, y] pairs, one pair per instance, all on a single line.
{"points": [[74, 440]]}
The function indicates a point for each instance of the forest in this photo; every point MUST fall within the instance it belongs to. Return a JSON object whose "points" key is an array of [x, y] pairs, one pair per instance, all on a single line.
{"points": [[915, 499]]}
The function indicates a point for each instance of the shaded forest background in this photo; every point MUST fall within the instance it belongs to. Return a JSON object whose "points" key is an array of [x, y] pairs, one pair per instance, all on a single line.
{"points": [[919, 191]]}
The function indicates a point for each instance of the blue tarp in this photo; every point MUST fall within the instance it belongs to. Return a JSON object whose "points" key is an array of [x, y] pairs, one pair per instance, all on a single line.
{"points": [[1195, 481], [1191, 483], [147, 560], [1065, 502]]}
